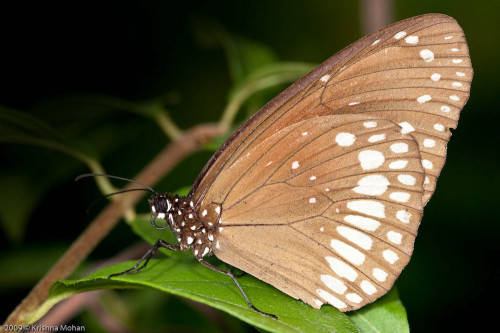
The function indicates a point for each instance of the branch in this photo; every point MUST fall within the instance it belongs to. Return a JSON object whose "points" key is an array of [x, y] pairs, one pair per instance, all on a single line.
{"points": [[175, 152]]}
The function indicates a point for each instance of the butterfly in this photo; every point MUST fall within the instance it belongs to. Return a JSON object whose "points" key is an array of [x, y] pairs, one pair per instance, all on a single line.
{"points": [[321, 192]]}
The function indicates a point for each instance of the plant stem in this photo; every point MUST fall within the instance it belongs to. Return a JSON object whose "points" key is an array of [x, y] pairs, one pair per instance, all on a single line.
{"points": [[166, 160]]}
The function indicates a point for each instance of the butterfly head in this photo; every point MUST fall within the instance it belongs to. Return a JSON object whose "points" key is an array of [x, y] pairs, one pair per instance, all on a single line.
{"points": [[162, 207]]}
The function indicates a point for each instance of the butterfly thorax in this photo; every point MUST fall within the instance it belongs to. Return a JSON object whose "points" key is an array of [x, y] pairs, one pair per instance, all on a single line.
{"points": [[183, 219]]}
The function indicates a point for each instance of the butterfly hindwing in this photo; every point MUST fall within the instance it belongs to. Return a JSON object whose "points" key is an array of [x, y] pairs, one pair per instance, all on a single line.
{"points": [[337, 197]]}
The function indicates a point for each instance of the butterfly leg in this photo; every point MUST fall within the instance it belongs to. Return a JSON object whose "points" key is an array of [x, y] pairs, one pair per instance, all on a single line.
{"points": [[145, 259], [230, 274], [235, 274]]}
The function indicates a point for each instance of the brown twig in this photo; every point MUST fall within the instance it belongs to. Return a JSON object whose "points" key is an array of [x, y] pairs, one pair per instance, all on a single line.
{"points": [[375, 14], [67, 309], [105, 222]]}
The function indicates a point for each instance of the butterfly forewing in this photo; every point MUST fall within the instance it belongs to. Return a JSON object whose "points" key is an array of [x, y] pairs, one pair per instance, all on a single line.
{"points": [[322, 190]]}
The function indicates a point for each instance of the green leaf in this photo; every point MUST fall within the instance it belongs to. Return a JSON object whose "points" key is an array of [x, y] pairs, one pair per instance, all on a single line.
{"points": [[144, 229], [189, 279], [24, 266], [180, 274], [22, 128], [19, 197], [385, 315]]}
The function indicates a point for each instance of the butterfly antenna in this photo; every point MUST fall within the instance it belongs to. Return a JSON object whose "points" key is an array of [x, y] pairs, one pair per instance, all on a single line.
{"points": [[86, 175], [110, 194]]}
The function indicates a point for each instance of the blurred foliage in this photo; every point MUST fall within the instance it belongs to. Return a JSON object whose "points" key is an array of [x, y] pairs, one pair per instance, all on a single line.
{"points": [[108, 86]]}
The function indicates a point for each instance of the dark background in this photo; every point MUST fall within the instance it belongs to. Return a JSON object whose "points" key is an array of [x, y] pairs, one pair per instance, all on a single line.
{"points": [[148, 50]]}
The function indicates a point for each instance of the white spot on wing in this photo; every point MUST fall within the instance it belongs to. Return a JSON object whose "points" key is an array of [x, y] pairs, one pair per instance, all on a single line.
{"points": [[399, 164], [407, 179], [379, 274], [354, 103], [427, 164], [460, 74], [427, 55], [429, 143], [399, 147], [435, 77], [457, 61], [348, 252], [362, 222], [400, 196], [439, 127], [334, 284], [454, 98], [406, 127], [372, 185], [368, 288], [424, 98], [355, 298], [403, 216], [312, 200], [312, 178], [342, 269], [394, 237], [445, 108], [412, 39], [371, 159], [400, 35], [295, 164], [376, 42], [390, 256], [376, 138], [370, 124], [345, 139], [325, 78], [368, 207], [331, 299], [356, 237]]}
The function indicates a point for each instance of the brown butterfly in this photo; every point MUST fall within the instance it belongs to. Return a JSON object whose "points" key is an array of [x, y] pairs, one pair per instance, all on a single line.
{"points": [[321, 192]]}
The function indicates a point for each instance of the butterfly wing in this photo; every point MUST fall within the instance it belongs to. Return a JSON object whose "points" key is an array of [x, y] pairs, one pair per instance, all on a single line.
{"points": [[347, 245], [416, 72], [324, 222]]}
